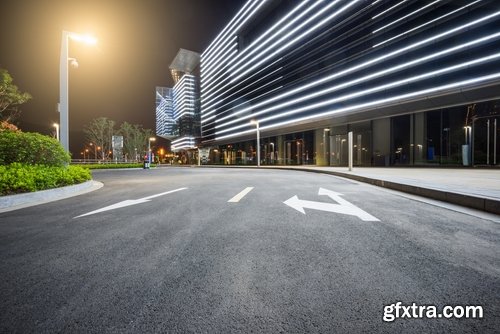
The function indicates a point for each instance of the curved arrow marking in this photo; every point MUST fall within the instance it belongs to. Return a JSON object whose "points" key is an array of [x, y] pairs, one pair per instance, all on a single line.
{"points": [[129, 202], [343, 206]]}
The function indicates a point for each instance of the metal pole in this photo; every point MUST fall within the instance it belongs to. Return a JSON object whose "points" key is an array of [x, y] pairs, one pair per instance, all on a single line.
{"points": [[472, 144], [57, 130], [149, 153], [258, 145], [495, 142], [63, 92], [349, 144], [488, 142]]}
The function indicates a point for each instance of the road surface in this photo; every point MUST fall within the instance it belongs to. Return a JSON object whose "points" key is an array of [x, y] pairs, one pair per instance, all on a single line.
{"points": [[218, 250]]}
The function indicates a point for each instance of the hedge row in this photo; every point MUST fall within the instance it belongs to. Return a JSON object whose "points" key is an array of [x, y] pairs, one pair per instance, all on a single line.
{"points": [[19, 178], [31, 148]]}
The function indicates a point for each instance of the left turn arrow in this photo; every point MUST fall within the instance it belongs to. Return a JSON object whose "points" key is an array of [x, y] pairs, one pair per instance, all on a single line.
{"points": [[129, 202]]}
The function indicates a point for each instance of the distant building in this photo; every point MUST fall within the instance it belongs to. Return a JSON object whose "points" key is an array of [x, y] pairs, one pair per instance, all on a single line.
{"points": [[165, 123], [179, 118], [417, 82]]}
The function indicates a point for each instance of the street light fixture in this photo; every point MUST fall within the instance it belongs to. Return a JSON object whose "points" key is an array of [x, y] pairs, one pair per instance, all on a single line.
{"points": [[256, 123], [63, 81]]}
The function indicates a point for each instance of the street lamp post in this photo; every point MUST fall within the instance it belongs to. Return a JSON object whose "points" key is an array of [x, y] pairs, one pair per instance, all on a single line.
{"points": [[57, 130], [149, 150], [95, 150], [256, 123], [63, 83]]}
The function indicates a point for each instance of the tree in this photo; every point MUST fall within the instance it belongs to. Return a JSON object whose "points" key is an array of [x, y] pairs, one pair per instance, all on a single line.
{"points": [[100, 132], [10, 97], [134, 139]]}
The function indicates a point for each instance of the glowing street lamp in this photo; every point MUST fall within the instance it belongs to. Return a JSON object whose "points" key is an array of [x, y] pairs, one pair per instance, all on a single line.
{"points": [[63, 81], [256, 123]]}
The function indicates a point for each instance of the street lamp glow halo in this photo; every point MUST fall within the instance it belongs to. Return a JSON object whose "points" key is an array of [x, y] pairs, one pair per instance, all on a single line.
{"points": [[88, 39]]}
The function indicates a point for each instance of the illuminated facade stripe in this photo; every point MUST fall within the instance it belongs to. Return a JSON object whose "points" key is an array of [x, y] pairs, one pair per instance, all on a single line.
{"points": [[376, 75], [183, 143], [346, 57], [184, 95]]}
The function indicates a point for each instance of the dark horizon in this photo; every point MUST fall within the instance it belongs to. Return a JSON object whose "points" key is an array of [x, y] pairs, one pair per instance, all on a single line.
{"points": [[117, 78]]}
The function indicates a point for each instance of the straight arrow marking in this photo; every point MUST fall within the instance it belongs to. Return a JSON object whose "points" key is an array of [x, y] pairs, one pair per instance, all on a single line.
{"points": [[129, 202], [358, 212], [343, 205]]}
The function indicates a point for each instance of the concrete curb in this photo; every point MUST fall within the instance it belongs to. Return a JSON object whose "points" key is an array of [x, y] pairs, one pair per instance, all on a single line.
{"points": [[19, 201], [479, 203]]}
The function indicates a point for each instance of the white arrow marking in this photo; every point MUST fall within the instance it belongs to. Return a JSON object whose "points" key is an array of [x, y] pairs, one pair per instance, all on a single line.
{"points": [[242, 194], [343, 205], [129, 202]]}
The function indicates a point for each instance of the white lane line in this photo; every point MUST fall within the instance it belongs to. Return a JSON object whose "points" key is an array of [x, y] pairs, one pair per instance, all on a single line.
{"points": [[242, 194]]}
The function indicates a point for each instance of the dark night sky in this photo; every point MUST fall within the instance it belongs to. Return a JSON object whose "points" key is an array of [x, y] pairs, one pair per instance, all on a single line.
{"points": [[116, 79]]}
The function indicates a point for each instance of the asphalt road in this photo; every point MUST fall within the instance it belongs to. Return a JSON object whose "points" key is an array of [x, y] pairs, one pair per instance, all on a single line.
{"points": [[163, 250]]}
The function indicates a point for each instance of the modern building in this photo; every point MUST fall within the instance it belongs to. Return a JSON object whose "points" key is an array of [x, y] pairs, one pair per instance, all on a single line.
{"points": [[417, 82], [186, 112], [178, 108], [165, 123]]}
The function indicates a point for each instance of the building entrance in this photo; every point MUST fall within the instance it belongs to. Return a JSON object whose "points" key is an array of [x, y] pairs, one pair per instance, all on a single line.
{"points": [[294, 152], [338, 146]]}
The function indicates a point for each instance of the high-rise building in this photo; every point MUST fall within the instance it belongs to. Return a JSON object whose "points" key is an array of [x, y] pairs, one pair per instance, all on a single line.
{"points": [[165, 123], [416, 82], [179, 119]]}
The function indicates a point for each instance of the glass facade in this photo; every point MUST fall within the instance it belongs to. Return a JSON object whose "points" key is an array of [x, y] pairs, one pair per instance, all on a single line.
{"points": [[165, 124], [417, 83], [178, 108]]}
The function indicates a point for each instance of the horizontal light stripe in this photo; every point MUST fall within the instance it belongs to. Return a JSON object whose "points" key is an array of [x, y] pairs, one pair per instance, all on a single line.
{"points": [[371, 104]]}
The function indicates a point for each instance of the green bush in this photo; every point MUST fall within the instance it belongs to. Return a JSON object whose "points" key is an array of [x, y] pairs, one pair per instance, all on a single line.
{"points": [[31, 148], [18, 178]]}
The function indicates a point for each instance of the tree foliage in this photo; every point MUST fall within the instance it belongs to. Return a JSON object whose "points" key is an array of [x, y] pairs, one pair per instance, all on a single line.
{"points": [[100, 132], [134, 140], [10, 97]]}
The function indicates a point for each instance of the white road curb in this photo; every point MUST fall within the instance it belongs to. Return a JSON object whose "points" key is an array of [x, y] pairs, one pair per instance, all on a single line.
{"points": [[19, 201]]}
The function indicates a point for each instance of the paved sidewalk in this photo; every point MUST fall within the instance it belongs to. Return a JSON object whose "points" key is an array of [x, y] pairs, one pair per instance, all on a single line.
{"points": [[474, 188]]}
